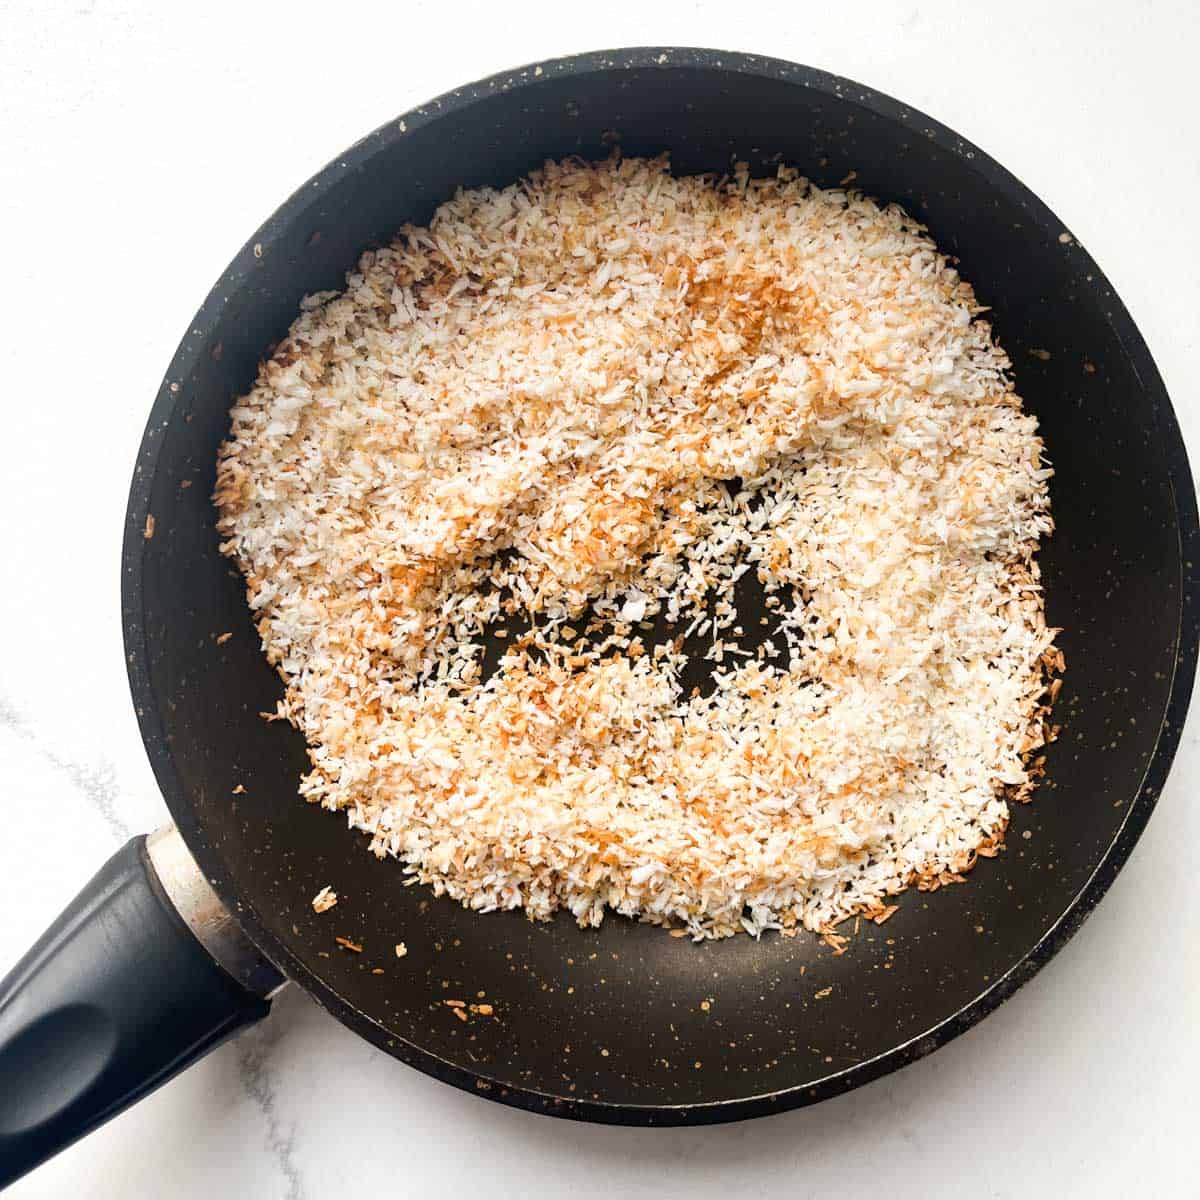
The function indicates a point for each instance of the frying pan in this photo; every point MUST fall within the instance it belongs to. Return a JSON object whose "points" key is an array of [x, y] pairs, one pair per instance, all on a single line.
{"points": [[178, 943]]}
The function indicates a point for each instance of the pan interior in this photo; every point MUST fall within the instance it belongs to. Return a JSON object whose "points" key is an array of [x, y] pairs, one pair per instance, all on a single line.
{"points": [[626, 1015]]}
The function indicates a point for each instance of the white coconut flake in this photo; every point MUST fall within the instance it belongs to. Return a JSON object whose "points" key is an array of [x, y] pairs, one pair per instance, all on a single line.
{"points": [[599, 397]]}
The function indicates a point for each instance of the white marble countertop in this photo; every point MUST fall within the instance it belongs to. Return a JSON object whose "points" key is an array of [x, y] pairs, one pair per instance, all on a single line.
{"points": [[141, 144]]}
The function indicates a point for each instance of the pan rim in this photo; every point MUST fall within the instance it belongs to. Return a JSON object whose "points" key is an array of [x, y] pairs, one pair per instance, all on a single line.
{"points": [[1138, 811]]}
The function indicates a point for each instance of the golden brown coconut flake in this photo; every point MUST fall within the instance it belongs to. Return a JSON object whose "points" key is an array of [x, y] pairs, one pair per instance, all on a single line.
{"points": [[598, 397]]}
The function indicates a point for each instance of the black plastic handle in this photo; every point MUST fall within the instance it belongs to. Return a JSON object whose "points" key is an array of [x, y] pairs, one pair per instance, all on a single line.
{"points": [[114, 999]]}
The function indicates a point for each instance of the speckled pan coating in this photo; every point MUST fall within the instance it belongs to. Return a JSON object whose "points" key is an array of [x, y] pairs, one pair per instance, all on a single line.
{"points": [[625, 1024]]}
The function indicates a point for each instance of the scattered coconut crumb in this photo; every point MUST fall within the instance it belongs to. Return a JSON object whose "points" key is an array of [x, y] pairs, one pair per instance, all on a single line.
{"points": [[148, 531], [835, 941], [224, 638], [324, 900], [401, 949], [596, 399], [239, 790], [347, 944]]}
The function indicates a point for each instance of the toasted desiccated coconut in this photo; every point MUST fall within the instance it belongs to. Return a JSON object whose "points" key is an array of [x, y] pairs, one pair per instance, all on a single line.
{"points": [[401, 949], [324, 900], [596, 399], [835, 941]]}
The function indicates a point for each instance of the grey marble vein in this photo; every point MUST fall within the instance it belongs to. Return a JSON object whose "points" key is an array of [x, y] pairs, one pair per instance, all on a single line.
{"points": [[254, 1070], [98, 783]]}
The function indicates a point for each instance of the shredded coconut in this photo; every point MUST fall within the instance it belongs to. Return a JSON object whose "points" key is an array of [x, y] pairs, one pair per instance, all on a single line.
{"points": [[575, 419]]}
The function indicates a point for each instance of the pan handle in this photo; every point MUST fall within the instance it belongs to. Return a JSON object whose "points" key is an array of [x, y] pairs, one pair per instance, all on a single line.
{"points": [[124, 990]]}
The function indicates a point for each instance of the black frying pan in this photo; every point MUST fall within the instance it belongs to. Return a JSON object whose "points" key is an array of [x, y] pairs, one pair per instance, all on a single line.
{"points": [[604, 1024]]}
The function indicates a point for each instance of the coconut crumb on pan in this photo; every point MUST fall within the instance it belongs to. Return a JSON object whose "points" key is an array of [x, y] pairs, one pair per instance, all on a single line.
{"points": [[595, 399], [324, 900]]}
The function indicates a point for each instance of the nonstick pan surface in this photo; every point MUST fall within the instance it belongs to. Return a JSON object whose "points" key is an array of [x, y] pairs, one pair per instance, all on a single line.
{"points": [[624, 1023]]}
